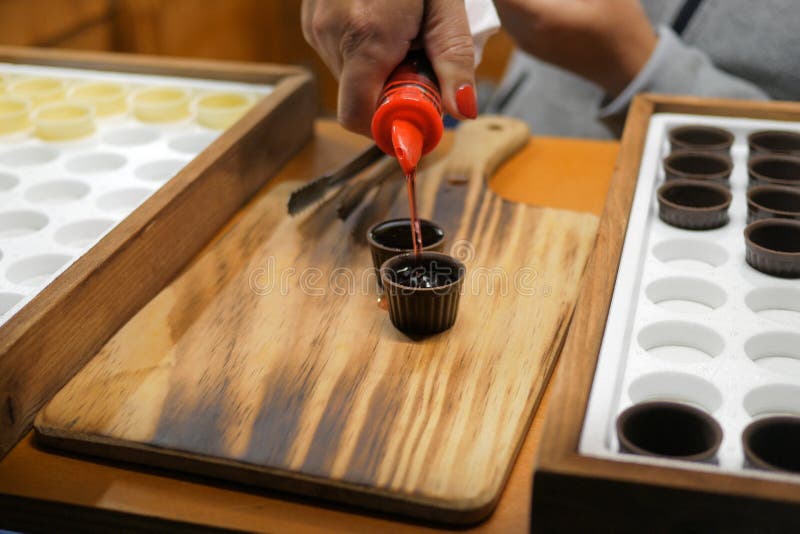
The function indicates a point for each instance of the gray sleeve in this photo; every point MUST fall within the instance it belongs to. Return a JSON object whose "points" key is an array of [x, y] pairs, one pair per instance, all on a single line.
{"points": [[675, 68]]}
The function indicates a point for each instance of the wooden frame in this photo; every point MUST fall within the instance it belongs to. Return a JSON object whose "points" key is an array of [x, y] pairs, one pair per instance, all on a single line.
{"points": [[50, 339], [572, 492]]}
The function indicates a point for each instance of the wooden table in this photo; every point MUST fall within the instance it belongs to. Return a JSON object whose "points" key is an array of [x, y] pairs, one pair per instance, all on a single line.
{"points": [[39, 489]]}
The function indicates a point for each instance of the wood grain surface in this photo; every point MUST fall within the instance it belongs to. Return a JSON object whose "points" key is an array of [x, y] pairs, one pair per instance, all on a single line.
{"points": [[309, 388], [44, 344], [41, 489]]}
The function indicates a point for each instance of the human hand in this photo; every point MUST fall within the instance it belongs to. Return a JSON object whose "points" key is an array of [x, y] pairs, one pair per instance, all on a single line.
{"points": [[362, 41], [605, 41]]}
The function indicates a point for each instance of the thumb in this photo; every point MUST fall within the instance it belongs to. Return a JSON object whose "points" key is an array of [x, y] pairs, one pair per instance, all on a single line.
{"points": [[448, 44]]}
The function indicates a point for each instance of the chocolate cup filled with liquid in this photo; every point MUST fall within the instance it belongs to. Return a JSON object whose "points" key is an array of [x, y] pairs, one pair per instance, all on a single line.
{"points": [[773, 201], [669, 430], [701, 166], [423, 291], [693, 205], [700, 138], [772, 246], [389, 238], [774, 142], [774, 170], [773, 443]]}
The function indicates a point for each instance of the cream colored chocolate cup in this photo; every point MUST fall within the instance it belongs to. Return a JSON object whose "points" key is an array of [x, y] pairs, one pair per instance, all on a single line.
{"points": [[220, 110], [63, 121], [38, 90], [160, 104], [14, 112], [107, 98]]}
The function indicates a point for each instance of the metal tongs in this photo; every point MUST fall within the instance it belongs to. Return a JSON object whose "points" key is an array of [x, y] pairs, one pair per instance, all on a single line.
{"points": [[382, 166]]}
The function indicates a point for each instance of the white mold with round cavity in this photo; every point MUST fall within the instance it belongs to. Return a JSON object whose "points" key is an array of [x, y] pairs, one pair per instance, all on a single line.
{"points": [[690, 321], [57, 192], [58, 197]]}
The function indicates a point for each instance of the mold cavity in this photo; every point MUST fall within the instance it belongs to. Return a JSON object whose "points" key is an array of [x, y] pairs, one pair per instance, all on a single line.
{"points": [[20, 223], [36, 270], [690, 253], [678, 387], [773, 399], [193, 143], [159, 171], [686, 295], [681, 342], [8, 301], [8, 181], [131, 137], [57, 192], [779, 304], [124, 200], [777, 351], [28, 156], [82, 234], [96, 163]]}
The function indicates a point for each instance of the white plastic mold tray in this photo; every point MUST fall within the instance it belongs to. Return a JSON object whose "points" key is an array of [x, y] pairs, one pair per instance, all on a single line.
{"points": [[691, 321], [64, 185]]}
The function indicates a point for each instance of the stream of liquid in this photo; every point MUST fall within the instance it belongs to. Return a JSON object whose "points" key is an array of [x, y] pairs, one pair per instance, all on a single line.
{"points": [[416, 233]]}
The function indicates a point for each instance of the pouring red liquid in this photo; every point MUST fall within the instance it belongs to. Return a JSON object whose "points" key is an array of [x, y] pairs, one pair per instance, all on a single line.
{"points": [[408, 123]]}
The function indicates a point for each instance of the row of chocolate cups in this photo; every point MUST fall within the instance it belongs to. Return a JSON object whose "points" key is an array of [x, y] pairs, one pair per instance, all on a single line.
{"points": [[696, 194], [682, 432]]}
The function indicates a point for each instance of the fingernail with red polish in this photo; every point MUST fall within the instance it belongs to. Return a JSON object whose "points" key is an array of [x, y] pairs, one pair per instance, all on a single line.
{"points": [[466, 101]]}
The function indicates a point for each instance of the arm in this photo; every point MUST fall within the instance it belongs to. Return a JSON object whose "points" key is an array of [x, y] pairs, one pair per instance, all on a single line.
{"points": [[676, 68]]}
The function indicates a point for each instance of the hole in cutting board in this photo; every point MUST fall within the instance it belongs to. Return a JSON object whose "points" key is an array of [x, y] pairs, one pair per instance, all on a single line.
{"points": [[681, 342]]}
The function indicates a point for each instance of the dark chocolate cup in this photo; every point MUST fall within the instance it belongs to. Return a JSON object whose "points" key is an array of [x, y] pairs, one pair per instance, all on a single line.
{"points": [[669, 430], [774, 142], [774, 170], [693, 205], [422, 311], [701, 139], [773, 201], [773, 443], [772, 246], [701, 166], [389, 238]]}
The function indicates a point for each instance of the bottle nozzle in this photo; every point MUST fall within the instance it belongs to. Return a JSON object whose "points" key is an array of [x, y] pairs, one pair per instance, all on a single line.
{"points": [[407, 142]]}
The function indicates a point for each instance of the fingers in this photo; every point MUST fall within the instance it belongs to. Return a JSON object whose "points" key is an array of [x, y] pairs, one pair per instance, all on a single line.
{"points": [[448, 43], [364, 72], [361, 41]]}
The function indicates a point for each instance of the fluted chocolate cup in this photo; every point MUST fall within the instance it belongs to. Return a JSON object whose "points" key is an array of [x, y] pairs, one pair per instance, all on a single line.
{"points": [[773, 443], [700, 166], [693, 205], [774, 142], [772, 246], [773, 201], [774, 170], [700, 138], [423, 291], [388, 239], [669, 430]]}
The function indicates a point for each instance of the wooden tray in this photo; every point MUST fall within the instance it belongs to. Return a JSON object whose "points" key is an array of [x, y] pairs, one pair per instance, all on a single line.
{"points": [[573, 492], [50, 339], [308, 388]]}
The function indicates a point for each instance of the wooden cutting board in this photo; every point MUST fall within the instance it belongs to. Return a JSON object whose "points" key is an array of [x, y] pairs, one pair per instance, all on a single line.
{"points": [[269, 361]]}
